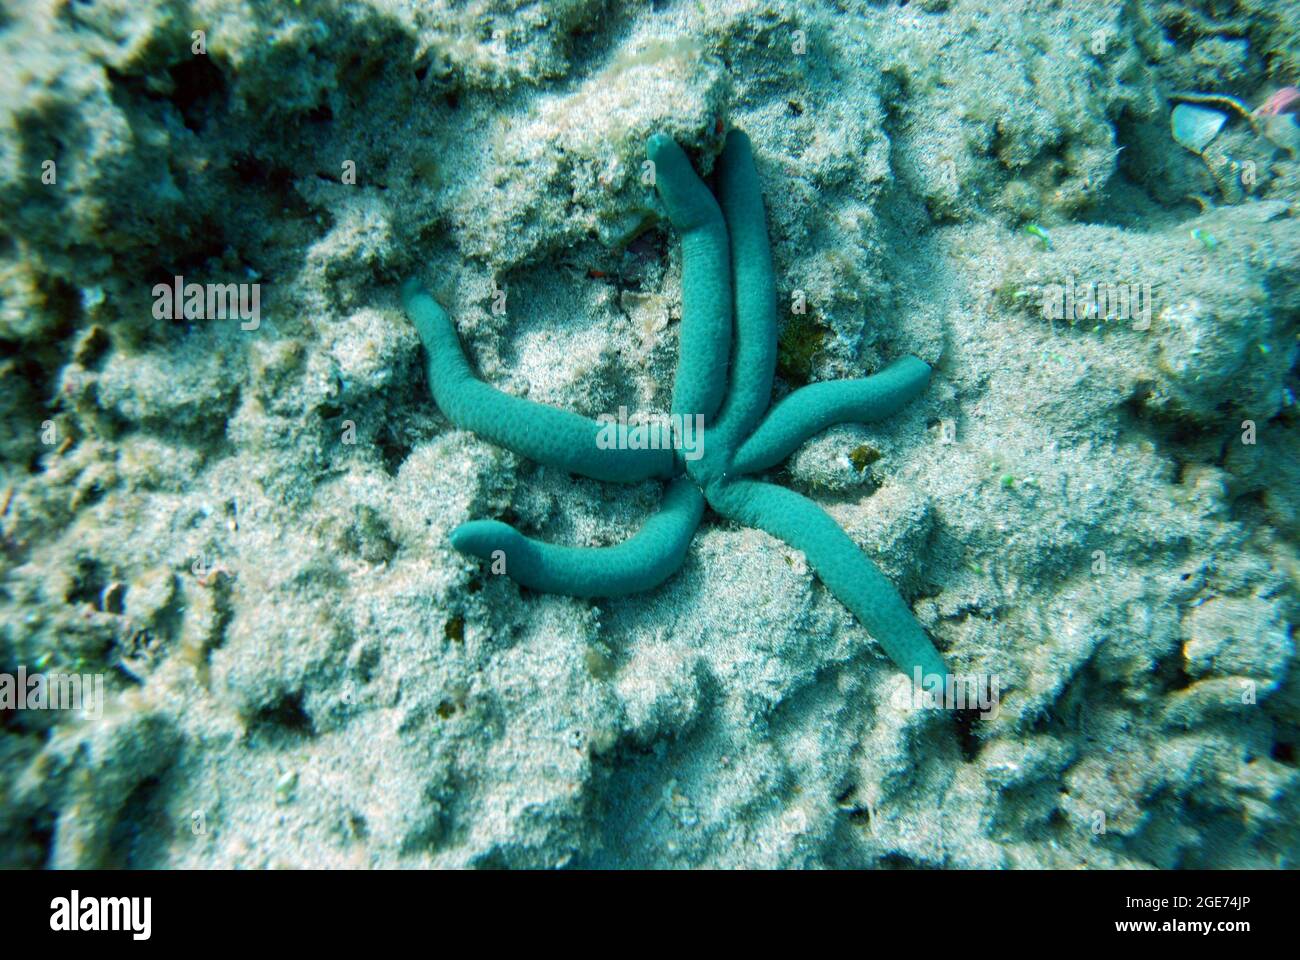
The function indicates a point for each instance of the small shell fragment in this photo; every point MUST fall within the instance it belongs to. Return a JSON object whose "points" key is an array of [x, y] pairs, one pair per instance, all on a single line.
{"points": [[1194, 127]]}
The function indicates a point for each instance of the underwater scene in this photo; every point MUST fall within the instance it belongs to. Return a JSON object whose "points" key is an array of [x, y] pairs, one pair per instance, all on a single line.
{"points": [[654, 434]]}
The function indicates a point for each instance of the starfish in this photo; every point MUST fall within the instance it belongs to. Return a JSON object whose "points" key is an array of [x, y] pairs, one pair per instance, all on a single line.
{"points": [[724, 249]]}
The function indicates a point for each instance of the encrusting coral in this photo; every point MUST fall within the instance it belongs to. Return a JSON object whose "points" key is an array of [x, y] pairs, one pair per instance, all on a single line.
{"points": [[725, 250]]}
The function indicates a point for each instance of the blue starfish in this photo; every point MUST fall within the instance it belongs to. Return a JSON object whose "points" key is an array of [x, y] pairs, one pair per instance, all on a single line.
{"points": [[724, 248]]}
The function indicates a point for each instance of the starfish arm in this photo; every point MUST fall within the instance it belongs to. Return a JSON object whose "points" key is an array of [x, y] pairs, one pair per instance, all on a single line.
{"points": [[639, 563], [549, 435], [741, 199], [813, 408], [704, 338], [843, 568]]}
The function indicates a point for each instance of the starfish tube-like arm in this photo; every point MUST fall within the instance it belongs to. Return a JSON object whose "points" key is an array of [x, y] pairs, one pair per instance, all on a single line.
{"points": [[811, 409], [704, 338], [840, 563], [549, 435], [645, 560], [741, 198]]}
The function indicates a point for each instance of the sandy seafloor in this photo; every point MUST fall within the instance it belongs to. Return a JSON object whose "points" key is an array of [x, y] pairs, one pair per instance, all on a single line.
{"points": [[245, 531]]}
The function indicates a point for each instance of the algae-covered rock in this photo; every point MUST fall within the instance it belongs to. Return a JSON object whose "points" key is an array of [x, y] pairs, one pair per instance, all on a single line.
{"points": [[240, 522]]}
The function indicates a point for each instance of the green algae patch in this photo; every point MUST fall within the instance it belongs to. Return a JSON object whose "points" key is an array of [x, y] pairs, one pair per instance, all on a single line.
{"points": [[863, 456], [801, 339]]}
